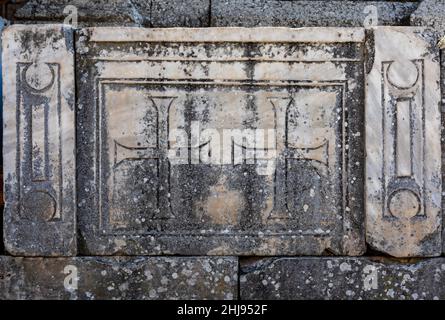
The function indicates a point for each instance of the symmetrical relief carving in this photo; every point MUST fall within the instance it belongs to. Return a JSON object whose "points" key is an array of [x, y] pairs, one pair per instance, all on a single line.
{"points": [[39, 110], [403, 88], [39, 140], [209, 144], [403, 145]]}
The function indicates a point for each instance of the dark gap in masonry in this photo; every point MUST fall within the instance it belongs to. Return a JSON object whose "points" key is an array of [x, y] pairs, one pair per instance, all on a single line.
{"points": [[371, 252], [2, 199]]}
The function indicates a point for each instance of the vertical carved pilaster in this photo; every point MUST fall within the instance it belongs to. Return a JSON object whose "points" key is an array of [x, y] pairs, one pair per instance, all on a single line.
{"points": [[39, 150], [403, 167]]}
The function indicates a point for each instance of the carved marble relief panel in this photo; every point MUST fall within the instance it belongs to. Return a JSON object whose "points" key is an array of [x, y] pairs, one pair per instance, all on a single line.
{"points": [[220, 141], [403, 148]]}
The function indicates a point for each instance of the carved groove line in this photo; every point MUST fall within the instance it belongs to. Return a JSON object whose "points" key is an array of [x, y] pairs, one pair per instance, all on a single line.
{"points": [[40, 185], [401, 101]]}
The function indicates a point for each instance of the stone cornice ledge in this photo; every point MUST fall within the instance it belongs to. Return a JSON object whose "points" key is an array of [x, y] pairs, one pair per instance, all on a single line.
{"points": [[228, 34]]}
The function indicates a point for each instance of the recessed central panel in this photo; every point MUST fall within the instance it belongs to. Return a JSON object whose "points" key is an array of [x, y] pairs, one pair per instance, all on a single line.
{"points": [[220, 158]]}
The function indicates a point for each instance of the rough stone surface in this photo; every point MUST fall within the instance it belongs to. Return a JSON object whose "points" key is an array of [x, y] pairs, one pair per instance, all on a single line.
{"points": [[3, 23], [98, 11], [430, 13], [39, 149], [141, 94], [442, 86], [342, 278], [299, 192], [403, 149], [147, 13], [106, 278], [252, 13], [180, 13]]}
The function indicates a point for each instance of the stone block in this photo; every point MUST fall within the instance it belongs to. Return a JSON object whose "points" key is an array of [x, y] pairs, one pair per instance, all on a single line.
{"points": [[220, 141], [254, 13], [330, 278], [111, 278], [98, 12], [38, 148], [403, 148], [3, 23], [151, 13]]}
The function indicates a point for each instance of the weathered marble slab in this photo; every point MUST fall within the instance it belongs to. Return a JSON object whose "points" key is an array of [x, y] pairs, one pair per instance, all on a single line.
{"points": [[220, 141], [109, 278], [38, 140], [331, 278], [403, 148]]}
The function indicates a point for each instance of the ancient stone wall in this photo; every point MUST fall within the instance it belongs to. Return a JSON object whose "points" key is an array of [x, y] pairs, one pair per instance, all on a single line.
{"points": [[222, 149]]}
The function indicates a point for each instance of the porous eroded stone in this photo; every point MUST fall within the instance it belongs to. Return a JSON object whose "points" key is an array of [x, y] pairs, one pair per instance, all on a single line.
{"points": [[38, 141], [342, 279], [403, 148], [430, 13], [254, 13], [220, 141], [180, 13], [106, 278], [3, 23], [147, 13], [442, 87]]}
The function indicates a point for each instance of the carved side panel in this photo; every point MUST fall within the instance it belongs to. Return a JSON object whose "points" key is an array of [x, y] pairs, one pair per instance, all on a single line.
{"points": [[403, 185], [38, 151]]}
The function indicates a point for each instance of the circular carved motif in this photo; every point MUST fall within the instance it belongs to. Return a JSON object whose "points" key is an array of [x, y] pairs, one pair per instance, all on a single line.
{"points": [[39, 77], [39, 205], [402, 74], [404, 204]]}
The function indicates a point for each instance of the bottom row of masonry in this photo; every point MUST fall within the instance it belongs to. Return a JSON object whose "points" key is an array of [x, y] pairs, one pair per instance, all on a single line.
{"points": [[220, 278]]}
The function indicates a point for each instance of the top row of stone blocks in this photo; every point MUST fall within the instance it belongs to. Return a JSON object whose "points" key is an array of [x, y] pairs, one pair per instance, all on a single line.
{"points": [[220, 13], [221, 141]]}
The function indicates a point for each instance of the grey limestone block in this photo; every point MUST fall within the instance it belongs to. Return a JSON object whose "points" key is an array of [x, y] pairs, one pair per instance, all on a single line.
{"points": [[147, 13], [98, 11], [38, 141], [253, 13], [110, 278], [331, 278], [222, 141], [430, 13]]}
